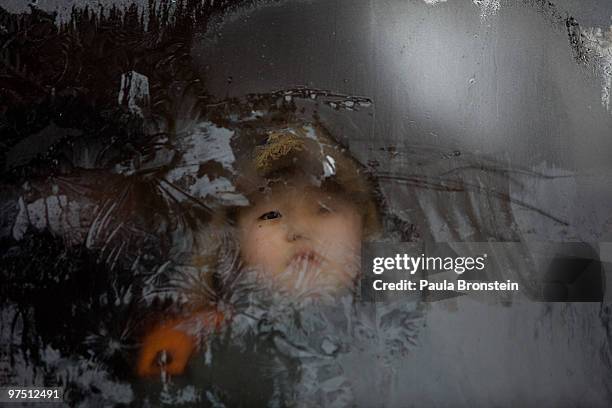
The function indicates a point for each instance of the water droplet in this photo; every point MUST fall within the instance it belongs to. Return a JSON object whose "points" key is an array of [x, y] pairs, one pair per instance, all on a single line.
{"points": [[328, 347]]}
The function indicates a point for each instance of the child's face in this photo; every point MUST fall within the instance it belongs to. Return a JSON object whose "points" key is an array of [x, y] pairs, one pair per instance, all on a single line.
{"points": [[302, 240]]}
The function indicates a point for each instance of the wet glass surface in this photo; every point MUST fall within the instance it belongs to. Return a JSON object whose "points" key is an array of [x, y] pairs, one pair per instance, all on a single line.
{"points": [[187, 188]]}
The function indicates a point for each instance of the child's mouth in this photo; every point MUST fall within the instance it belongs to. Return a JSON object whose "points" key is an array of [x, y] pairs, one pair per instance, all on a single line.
{"points": [[307, 257]]}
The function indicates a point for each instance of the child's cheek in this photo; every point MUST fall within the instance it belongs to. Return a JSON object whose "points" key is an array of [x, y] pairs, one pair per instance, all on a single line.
{"points": [[346, 227], [259, 245]]}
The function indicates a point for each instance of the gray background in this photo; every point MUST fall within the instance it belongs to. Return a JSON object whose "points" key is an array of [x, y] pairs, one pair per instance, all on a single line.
{"points": [[506, 86]]}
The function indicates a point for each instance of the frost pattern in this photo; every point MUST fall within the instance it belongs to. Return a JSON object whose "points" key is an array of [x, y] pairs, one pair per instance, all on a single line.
{"points": [[488, 8], [203, 143], [600, 43], [333, 342], [134, 92]]}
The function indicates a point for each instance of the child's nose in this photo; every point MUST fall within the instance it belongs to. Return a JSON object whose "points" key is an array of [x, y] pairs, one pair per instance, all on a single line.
{"points": [[297, 230], [294, 234]]}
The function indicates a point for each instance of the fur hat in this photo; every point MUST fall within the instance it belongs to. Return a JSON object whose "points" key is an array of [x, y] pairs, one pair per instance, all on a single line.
{"points": [[273, 153]]}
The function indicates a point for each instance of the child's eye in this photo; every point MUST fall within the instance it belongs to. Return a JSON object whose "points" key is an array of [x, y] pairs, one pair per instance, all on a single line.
{"points": [[324, 209], [270, 215]]}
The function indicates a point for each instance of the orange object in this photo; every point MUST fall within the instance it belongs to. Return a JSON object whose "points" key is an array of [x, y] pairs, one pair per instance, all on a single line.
{"points": [[170, 345]]}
